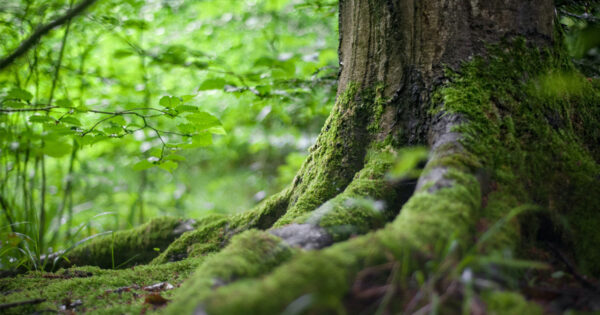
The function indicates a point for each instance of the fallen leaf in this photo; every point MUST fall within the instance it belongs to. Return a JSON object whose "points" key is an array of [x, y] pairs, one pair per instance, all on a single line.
{"points": [[155, 299]]}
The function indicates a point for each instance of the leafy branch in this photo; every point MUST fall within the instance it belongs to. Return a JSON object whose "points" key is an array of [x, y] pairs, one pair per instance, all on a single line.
{"points": [[35, 37]]}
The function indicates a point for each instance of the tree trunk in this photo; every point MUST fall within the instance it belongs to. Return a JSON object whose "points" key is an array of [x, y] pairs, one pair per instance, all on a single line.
{"points": [[513, 164]]}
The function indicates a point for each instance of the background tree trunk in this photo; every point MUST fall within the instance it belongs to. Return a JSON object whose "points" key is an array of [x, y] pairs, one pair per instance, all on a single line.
{"points": [[405, 45]]}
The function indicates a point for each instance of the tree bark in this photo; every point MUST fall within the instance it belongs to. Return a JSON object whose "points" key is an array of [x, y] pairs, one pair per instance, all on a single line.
{"points": [[405, 46]]}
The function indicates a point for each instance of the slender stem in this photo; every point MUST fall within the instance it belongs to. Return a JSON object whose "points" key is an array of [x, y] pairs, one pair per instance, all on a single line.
{"points": [[42, 207], [6, 211], [50, 98], [68, 190], [26, 205], [61, 53], [142, 188]]}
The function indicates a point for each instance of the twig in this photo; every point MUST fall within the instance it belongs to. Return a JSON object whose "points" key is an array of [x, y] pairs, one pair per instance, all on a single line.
{"points": [[573, 269], [13, 304], [96, 124], [35, 37], [586, 16], [48, 107], [18, 110]]}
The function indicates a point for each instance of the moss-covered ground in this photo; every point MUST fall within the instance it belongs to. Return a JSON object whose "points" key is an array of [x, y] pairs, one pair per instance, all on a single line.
{"points": [[94, 290]]}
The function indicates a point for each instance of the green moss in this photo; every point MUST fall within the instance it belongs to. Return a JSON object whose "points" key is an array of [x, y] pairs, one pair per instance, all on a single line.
{"points": [[318, 281], [339, 152], [249, 255], [449, 213], [213, 232], [376, 95], [321, 278], [93, 286], [127, 248], [347, 97], [533, 124], [366, 204], [210, 236], [508, 303]]}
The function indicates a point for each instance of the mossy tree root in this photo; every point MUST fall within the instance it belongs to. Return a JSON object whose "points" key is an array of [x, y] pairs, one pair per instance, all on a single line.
{"points": [[124, 248], [493, 147], [214, 232], [319, 280]]}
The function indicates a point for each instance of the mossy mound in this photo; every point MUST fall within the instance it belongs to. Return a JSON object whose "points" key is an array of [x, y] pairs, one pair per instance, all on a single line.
{"points": [[533, 122], [127, 248]]}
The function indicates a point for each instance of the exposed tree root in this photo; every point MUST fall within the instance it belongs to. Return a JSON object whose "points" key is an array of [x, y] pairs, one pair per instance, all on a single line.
{"points": [[430, 217], [124, 248]]}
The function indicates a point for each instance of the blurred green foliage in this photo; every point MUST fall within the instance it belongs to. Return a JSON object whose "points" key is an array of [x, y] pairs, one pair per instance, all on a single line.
{"points": [[581, 24], [136, 109]]}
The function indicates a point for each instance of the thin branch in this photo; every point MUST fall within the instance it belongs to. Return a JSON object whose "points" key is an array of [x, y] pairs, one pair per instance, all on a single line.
{"points": [[48, 108], [35, 109], [4, 204], [35, 37], [585, 16], [96, 124]]}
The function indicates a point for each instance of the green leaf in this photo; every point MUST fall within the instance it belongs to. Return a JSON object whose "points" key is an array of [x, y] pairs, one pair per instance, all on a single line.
{"points": [[20, 94], [71, 121], [155, 152], [186, 128], [175, 54], [200, 64], [187, 98], [203, 120], [288, 67], [263, 89], [142, 165], [175, 157], [264, 61], [112, 130], [218, 130], [64, 103], [58, 130], [202, 140], [40, 119], [82, 109], [133, 126], [122, 53], [169, 166], [186, 108], [118, 120], [212, 84], [14, 104], [89, 139], [135, 24], [169, 101], [56, 148]]}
